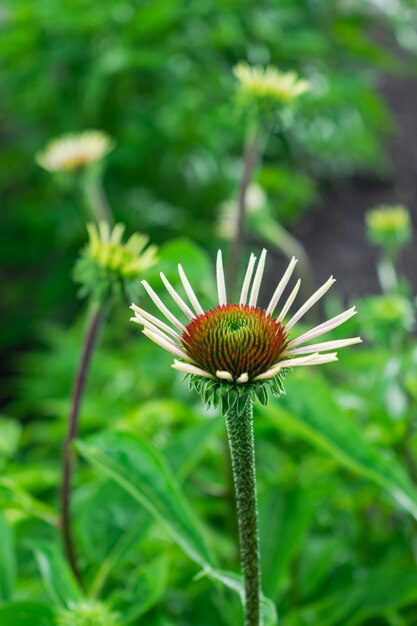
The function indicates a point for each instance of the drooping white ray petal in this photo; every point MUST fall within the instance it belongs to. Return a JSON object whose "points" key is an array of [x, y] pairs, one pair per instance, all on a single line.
{"points": [[257, 280], [311, 359], [310, 302], [247, 279], [155, 320], [290, 300], [164, 344], [273, 371], [188, 368], [330, 357], [325, 345], [157, 331], [281, 286], [224, 375], [189, 291], [243, 378], [221, 285], [323, 328], [177, 298], [161, 306]]}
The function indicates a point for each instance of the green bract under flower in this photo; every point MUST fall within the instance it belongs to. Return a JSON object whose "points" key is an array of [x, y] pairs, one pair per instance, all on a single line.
{"points": [[268, 84], [74, 151], [109, 264], [88, 613], [389, 226], [239, 348]]}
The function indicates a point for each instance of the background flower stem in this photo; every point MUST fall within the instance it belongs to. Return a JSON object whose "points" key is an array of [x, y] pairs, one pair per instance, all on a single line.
{"points": [[249, 160], [97, 314], [95, 198], [242, 451]]}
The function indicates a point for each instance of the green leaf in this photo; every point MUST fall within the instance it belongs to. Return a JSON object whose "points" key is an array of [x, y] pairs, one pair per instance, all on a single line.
{"points": [[235, 582], [185, 450], [309, 411], [7, 560], [149, 585], [144, 473], [371, 596], [10, 431], [25, 614], [59, 581], [284, 516]]}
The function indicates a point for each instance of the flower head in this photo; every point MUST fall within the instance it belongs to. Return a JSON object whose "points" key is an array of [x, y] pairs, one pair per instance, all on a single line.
{"points": [[268, 84], [109, 263], [240, 344], [389, 226], [87, 613], [74, 151]]}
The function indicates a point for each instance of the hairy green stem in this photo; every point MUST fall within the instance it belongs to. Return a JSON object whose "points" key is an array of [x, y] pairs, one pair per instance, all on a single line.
{"points": [[242, 452], [90, 339]]}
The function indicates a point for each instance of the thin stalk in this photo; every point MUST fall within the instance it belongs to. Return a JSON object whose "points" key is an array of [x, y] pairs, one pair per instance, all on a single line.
{"points": [[90, 339], [242, 453], [249, 160], [95, 198], [272, 231]]}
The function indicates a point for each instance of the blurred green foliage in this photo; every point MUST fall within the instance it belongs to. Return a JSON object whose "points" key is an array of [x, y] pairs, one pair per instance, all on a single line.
{"points": [[337, 456], [157, 77]]}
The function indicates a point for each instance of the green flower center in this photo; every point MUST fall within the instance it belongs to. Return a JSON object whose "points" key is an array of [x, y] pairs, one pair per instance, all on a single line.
{"points": [[235, 338]]}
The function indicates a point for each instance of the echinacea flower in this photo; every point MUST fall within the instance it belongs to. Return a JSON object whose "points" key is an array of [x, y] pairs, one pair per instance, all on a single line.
{"points": [[74, 151], [240, 344], [108, 263], [269, 84]]}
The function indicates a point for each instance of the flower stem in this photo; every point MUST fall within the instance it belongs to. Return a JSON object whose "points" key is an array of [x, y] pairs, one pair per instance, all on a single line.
{"points": [[96, 318], [96, 199], [242, 452], [249, 159]]}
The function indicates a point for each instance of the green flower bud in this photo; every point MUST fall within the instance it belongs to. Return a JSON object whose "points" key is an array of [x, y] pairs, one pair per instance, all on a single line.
{"points": [[389, 226], [267, 87], [107, 265], [87, 613], [387, 318]]}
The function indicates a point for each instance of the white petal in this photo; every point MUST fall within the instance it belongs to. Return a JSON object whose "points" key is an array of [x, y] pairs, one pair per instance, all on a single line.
{"points": [[161, 306], [310, 302], [257, 280], [221, 286], [164, 344], [281, 286], [177, 298], [243, 378], [246, 282], [325, 345], [224, 375], [302, 360], [273, 371], [146, 324], [155, 320], [187, 368], [190, 293], [323, 328], [290, 300], [312, 359]]}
